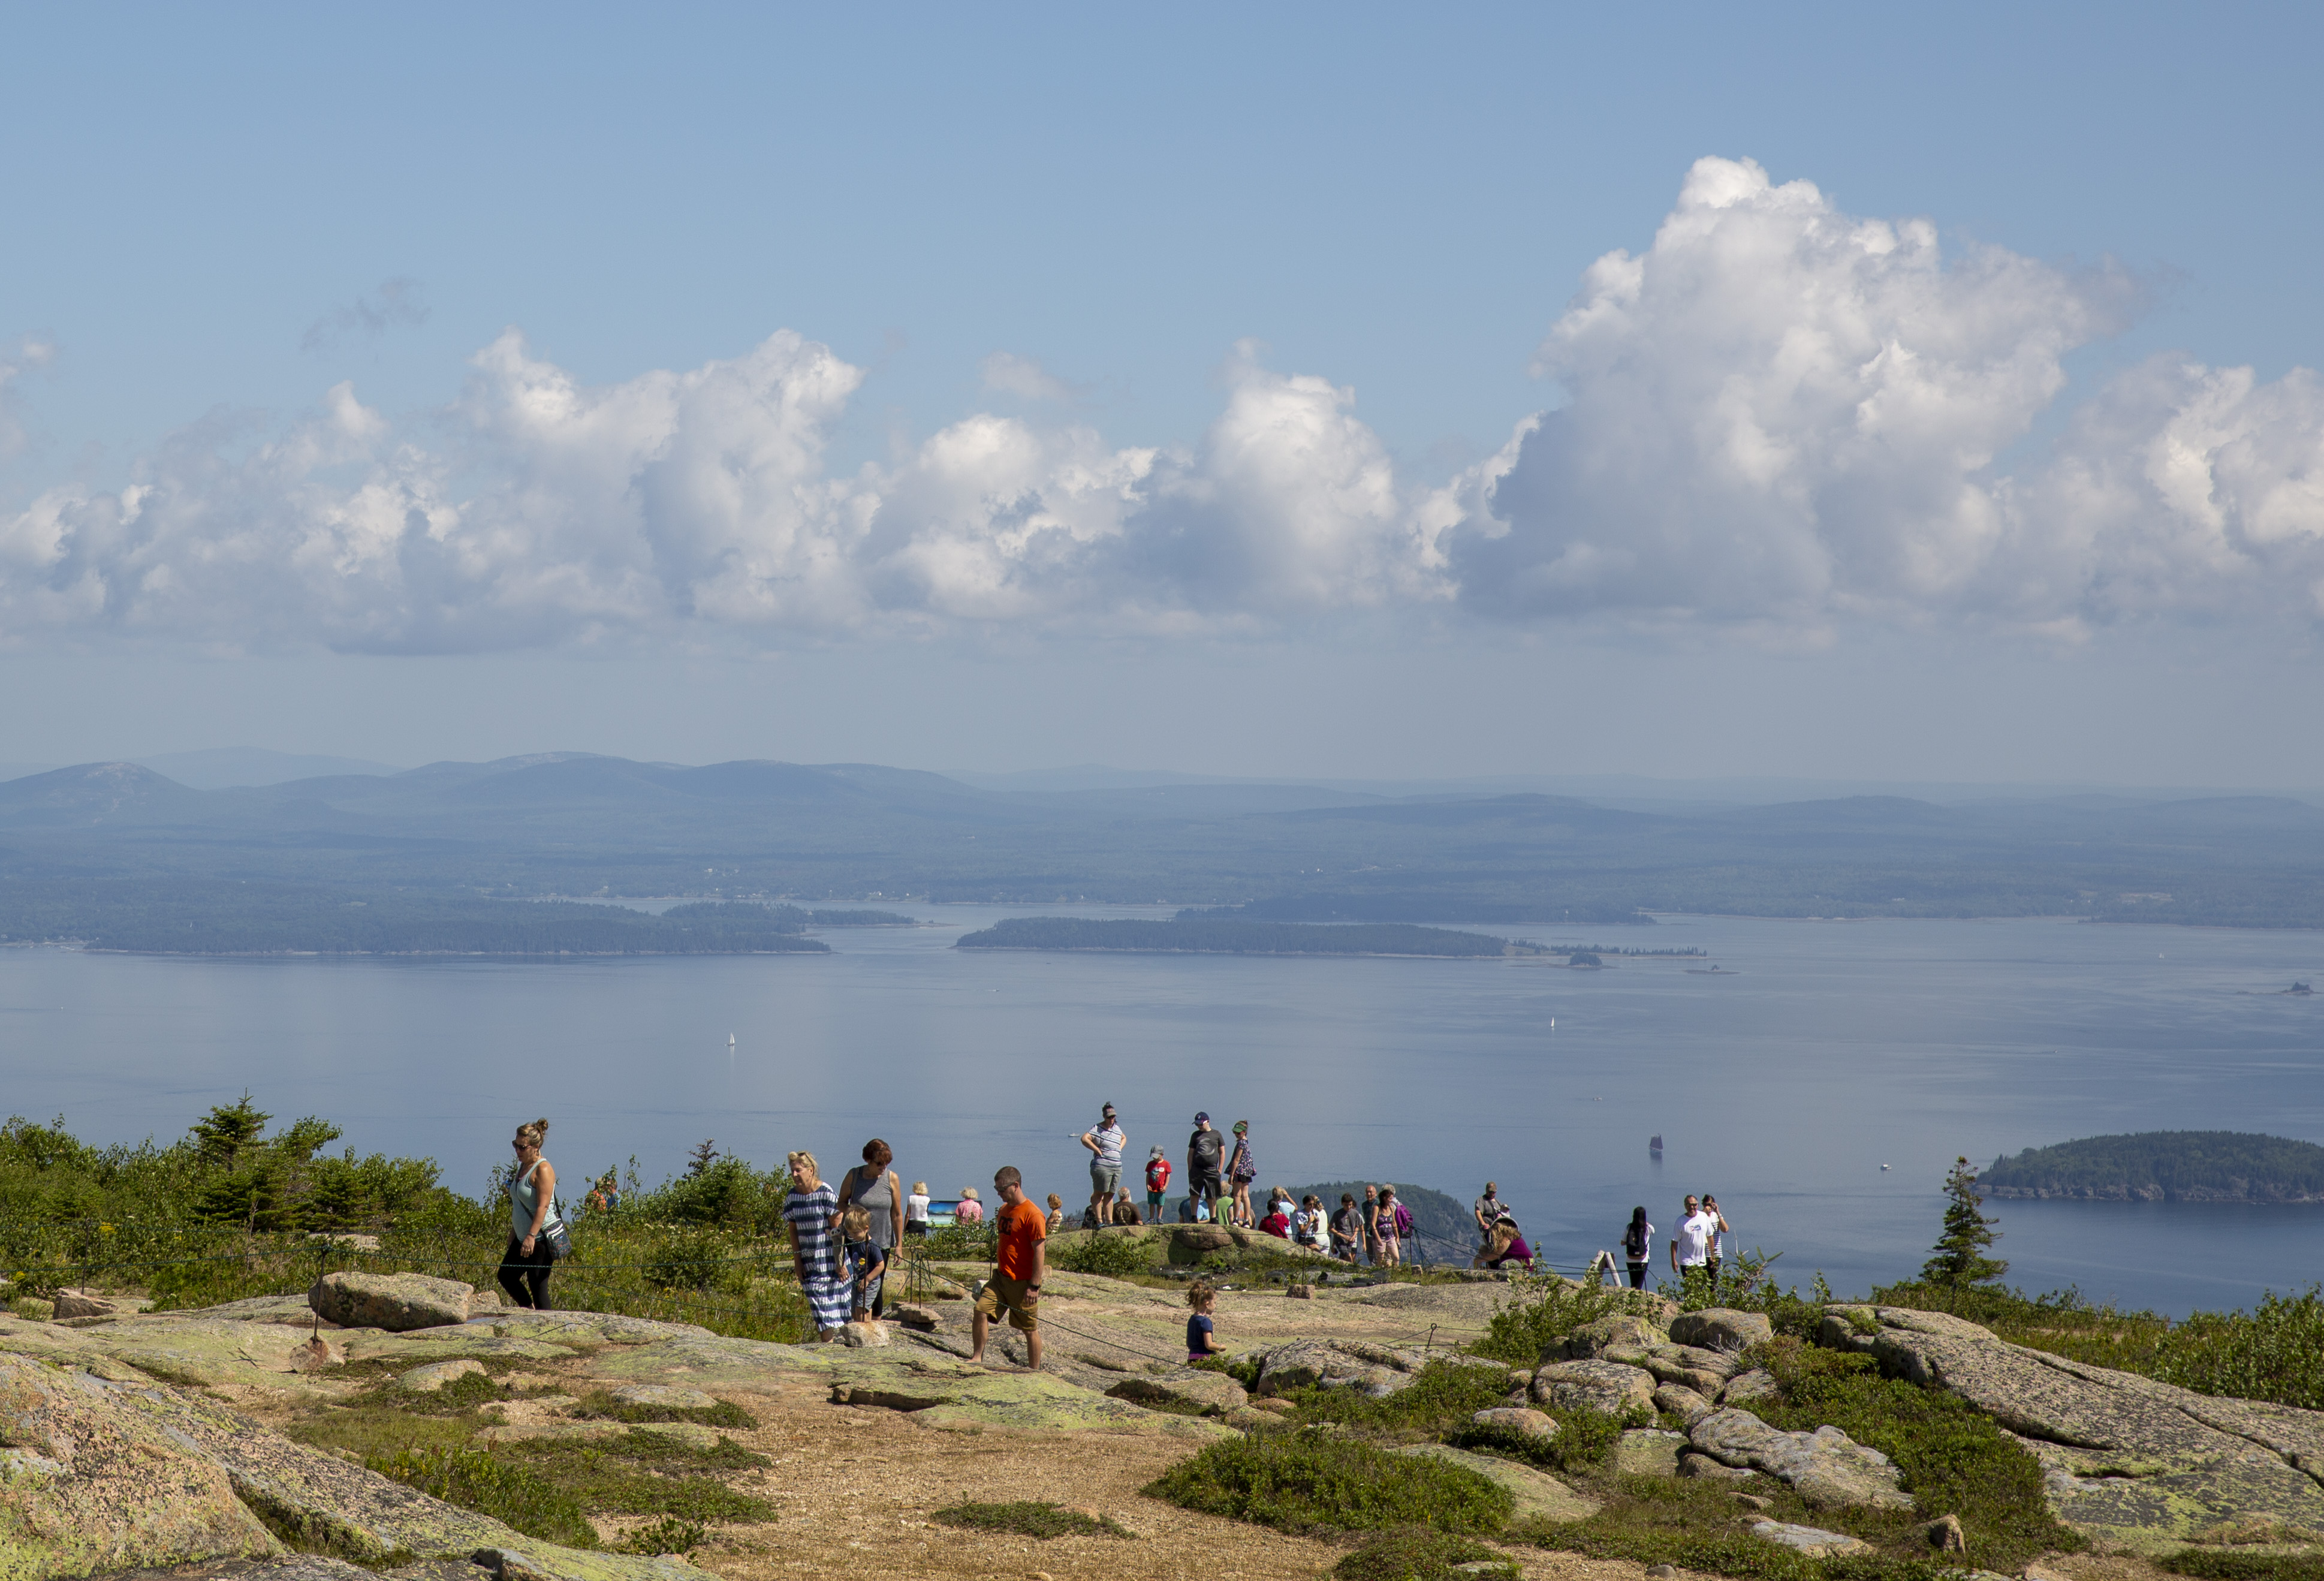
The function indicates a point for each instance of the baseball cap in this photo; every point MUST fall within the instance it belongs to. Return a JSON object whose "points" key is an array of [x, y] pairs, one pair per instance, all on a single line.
{"points": [[1200, 1116]]}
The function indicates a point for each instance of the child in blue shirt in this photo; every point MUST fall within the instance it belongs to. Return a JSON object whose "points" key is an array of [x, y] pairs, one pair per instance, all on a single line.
{"points": [[866, 1263], [1202, 1337]]}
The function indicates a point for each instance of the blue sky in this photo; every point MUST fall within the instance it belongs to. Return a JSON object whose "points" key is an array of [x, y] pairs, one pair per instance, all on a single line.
{"points": [[1014, 445]]}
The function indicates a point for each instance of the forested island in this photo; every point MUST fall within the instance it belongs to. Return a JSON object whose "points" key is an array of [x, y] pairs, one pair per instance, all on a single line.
{"points": [[2165, 1166], [1225, 937]]}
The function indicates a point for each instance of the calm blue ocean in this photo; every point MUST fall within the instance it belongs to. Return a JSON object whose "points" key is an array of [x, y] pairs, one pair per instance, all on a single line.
{"points": [[1833, 1049]]}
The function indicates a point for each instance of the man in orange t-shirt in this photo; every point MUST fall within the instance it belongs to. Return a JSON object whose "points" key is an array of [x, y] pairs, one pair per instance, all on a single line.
{"points": [[1015, 1287]]}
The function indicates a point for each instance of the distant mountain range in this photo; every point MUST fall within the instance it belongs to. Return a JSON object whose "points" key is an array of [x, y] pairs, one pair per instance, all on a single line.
{"points": [[78, 845]]}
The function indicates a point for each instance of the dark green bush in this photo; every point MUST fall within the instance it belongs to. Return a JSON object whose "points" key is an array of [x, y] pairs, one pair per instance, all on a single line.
{"points": [[1423, 1556], [1542, 1310], [1029, 1518], [669, 1535], [1308, 1480], [700, 1262], [600, 1404], [1585, 1440]]}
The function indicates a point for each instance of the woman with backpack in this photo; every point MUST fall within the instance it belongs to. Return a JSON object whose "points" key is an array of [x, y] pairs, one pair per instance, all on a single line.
{"points": [[1638, 1247], [1389, 1224], [534, 1224], [1241, 1171]]}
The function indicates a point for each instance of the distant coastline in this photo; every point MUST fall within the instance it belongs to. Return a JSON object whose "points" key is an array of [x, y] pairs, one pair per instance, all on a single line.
{"points": [[1077, 934]]}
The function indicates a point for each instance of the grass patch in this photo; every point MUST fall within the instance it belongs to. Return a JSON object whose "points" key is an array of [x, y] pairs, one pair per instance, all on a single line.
{"points": [[2214, 1566], [1690, 1522], [601, 1405], [1954, 1458], [1423, 1556], [1029, 1518], [1306, 1481], [645, 1474], [460, 1397], [474, 1479], [2275, 1352], [1441, 1397]]}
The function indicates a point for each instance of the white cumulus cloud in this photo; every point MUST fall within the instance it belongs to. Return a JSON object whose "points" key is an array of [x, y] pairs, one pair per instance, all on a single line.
{"points": [[1782, 413], [1778, 418]]}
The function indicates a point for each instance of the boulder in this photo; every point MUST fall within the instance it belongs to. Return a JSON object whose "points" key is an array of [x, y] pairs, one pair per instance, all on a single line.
{"points": [[1670, 1366], [1694, 1462], [1945, 1535], [1682, 1402], [2138, 1464], [1809, 1539], [1603, 1386], [1721, 1328], [1826, 1467], [1596, 1338], [87, 1304], [432, 1377], [1745, 1387], [913, 1315], [1538, 1494], [1517, 1418], [86, 1485], [662, 1397], [1193, 1390], [861, 1334], [397, 1302], [1199, 1240], [1647, 1452], [1307, 1363]]}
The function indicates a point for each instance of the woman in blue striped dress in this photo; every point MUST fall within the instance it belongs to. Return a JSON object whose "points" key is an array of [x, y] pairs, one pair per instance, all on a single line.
{"points": [[813, 1210]]}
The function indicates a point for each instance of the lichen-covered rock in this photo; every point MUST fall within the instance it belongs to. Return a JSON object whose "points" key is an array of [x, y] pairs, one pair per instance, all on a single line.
{"points": [[429, 1379], [1682, 1402], [1746, 1387], [1332, 1364], [1721, 1328], [1694, 1462], [1596, 1338], [1648, 1452], [2140, 1464], [86, 1485], [1827, 1468], [1809, 1539], [1604, 1386], [1517, 1418], [1186, 1388], [1538, 1494], [663, 1397], [861, 1336], [397, 1302]]}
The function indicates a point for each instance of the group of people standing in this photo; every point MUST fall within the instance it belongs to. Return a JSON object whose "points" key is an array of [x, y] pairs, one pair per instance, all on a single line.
{"points": [[1696, 1252]]}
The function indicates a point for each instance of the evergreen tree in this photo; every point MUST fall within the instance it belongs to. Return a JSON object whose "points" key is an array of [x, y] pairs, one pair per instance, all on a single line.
{"points": [[228, 1129], [1961, 1261]]}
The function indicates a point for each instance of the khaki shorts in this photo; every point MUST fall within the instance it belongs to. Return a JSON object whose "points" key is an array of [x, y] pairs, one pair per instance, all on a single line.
{"points": [[1015, 1297]]}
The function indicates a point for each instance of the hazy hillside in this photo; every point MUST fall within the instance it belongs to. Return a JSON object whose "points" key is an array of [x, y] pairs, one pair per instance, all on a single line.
{"points": [[77, 843]]}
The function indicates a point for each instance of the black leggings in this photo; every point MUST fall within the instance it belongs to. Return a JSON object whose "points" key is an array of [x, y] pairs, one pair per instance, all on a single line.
{"points": [[1637, 1276], [518, 1271]]}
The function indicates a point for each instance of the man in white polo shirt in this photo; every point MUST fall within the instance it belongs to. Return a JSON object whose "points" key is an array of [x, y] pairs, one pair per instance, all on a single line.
{"points": [[1691, 1253], [1104, 1140]]}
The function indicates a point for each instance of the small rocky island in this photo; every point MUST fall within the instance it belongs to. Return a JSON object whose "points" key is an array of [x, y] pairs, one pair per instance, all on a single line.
{"points": [[1208, 936], [2165, 1166]]}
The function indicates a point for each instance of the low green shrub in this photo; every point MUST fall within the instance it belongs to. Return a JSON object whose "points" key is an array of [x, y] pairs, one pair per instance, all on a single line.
{"points": [[669, 1535], [1424, 1556], [2274, 1354], [1113, 1256], [1309, 1481], [474, 1479], [1690, 1522], [2217, 1565], [1543, 1310], [1584, 1441], [1245, 1372], [1029, 1518], [2062, 1322]]}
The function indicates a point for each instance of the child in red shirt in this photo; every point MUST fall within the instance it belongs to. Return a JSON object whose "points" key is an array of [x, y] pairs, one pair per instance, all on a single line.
{"points": [[1018, 1263], [1158, 1183]]}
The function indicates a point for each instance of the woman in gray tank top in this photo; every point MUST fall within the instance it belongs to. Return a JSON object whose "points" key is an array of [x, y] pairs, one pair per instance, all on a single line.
{"points": [[872, 1187], [532, 1207]]}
